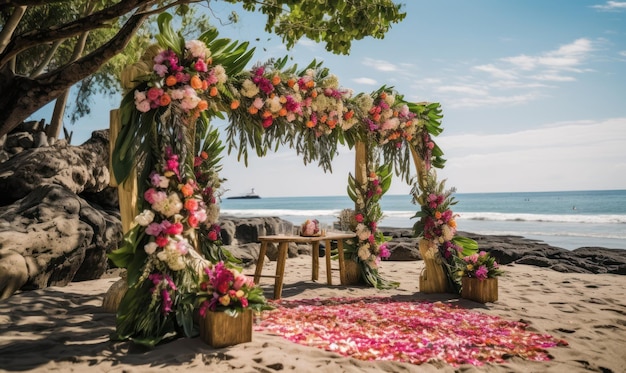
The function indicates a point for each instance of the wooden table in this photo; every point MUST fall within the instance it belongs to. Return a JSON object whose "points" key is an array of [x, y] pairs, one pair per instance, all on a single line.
{"points": [[283, 246]]}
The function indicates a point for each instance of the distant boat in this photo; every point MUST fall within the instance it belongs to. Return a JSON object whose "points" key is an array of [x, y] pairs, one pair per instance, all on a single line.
{"points": [[250, 195]]}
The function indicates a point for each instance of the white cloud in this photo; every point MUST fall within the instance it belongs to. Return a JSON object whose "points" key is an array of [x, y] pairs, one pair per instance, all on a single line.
{"points": [[554, 77], [473, 102], [366, 81], [563, 156], [622, 53], [380, 65], [463, 89], [611, 6], [496, 72], [565, 57]]}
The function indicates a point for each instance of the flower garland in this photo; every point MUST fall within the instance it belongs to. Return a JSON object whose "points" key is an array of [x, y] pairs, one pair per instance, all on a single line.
{"points": [[438, 231], [370, 245]]}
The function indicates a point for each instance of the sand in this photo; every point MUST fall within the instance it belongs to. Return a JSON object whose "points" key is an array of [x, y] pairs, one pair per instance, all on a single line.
{"points": [[65, 329]]}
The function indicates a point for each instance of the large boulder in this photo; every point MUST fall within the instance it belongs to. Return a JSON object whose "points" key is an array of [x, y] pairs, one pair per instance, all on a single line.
{"points": [[80, 169], [52, 237], [60, 217]]}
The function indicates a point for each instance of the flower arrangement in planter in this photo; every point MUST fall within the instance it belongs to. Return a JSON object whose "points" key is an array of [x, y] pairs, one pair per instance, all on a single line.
{"points": [[480, 266], [226, 289], [479, 277], [226, 299]]}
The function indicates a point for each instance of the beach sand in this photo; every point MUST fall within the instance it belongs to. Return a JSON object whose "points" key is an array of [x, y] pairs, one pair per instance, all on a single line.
{"points": [[65, 329]]}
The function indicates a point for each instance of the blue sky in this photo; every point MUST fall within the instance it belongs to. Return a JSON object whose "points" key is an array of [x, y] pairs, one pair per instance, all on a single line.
{"points": [[533, 95]]}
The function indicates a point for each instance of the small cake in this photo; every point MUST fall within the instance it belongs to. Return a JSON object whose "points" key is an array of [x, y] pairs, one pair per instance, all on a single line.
{"points": [[310, 228]]}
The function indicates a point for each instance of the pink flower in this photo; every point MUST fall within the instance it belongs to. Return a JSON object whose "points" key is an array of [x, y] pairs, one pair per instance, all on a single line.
{"points": [[358, 218], [481, 272], [174, 229], [154, 229]]}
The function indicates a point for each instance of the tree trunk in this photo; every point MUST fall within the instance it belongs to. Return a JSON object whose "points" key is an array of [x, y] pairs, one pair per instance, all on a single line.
{"points": [[56, 123]]}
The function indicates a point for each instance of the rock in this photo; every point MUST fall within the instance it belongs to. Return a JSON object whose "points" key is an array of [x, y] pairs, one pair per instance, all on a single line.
{"points": [[79, 169], [59, 237]]}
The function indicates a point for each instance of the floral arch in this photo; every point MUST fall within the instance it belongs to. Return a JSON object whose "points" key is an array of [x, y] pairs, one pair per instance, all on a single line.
{"points": [[167, 155]]}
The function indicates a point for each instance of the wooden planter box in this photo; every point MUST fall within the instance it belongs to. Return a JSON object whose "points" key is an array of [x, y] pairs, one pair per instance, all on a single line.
{"points": [[219, 329], [481, 291]]}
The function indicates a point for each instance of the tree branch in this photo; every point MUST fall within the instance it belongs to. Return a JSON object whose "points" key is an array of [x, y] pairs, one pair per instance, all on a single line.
{"points": [[93, 21]]}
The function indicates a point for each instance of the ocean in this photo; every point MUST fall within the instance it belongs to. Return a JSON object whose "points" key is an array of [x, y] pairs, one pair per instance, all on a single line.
{"points": [[569, 220]]}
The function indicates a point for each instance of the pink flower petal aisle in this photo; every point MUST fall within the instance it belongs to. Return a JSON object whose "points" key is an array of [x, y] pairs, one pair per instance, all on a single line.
{"points": [[377, 328]]}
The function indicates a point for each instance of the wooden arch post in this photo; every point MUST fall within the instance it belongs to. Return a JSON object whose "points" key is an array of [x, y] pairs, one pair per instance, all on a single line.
{"points": [[127, 190], [432, 277]]}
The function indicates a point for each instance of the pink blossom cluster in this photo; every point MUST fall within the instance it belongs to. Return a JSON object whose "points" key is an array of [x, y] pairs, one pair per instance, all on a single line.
{"points": [[440, 224], [370, 249], [184, 81], [480, 265], [225, 287], [275, 97], [390, 121], [165, 285], [175, 206]]}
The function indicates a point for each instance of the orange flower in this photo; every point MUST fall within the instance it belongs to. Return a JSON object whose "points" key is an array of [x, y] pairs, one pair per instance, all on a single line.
{"points": [[213, 92], [282, 99], [310, 124], [195, 82], [165, 99], [348, 115], [291, 82], [205, 85], [191, 204], [252, 110], [266, 114], [310, 84], [204, 155], [313, 93], [383, 95], [275, 80], [452, 223], [202, 105], [186, 190], [282, 112], [170, 80], [437, 215], [234, 105], [209, 61], [376, 117], [323, 119], [393, 136], [331, 124]]}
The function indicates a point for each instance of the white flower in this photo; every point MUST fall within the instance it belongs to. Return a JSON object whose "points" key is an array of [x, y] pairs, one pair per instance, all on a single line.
{"points": [[145, 218], [364, 252], [150, 248], [249, 89], [197, 48], [220, 74], [169, 206], [447, 232]]}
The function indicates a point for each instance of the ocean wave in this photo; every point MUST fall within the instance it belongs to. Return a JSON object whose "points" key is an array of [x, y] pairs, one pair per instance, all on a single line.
{"points": [[479, 216], [585, 219]]}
